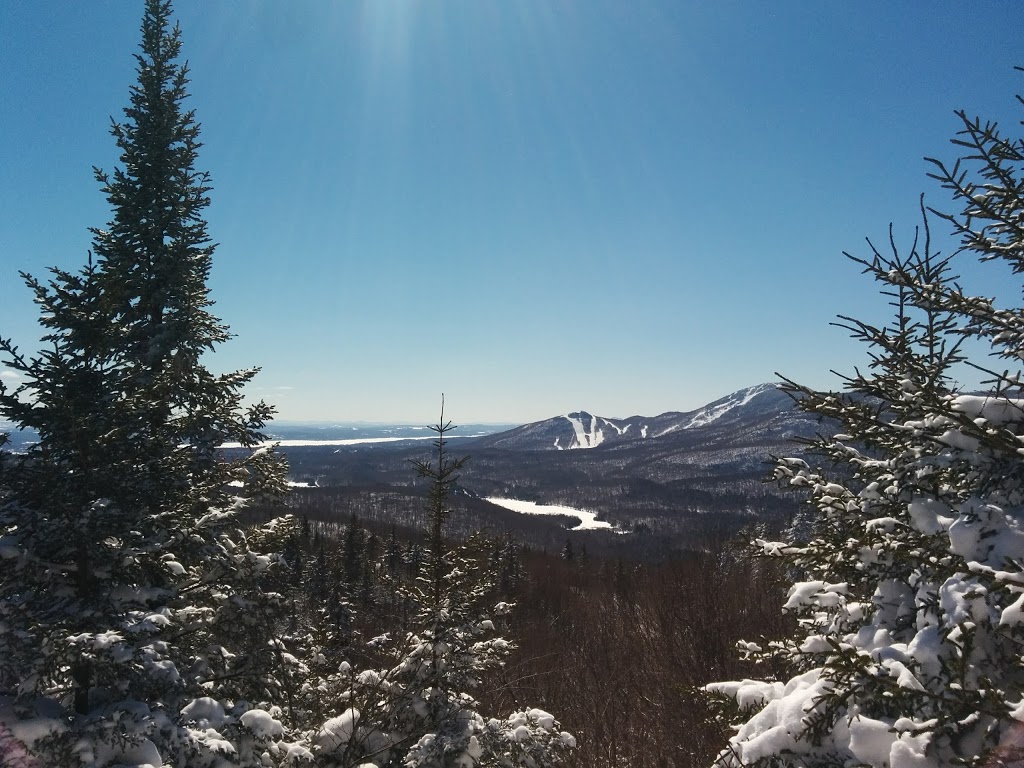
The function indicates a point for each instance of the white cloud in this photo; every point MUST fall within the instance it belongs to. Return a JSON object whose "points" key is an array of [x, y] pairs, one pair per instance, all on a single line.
{"points": [[9, 375]]}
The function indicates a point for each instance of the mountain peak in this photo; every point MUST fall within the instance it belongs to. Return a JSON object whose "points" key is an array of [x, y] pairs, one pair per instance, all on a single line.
{"points": [[579, 415], [586, 432], [581, 429]]}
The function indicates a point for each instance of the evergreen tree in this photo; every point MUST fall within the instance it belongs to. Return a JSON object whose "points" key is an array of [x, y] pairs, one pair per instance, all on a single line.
{"points": [[417, 709], [393, 552], [368, 577], [352, 553], [567, 551], [129, 592], [911, 600], [443, 477], [505, 560], [139, 623], [154, 261], [413, 558]]}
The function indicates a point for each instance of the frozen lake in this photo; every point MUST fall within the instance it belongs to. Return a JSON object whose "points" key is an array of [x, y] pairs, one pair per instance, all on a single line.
{"points": [[345, 441], [588, 521]]}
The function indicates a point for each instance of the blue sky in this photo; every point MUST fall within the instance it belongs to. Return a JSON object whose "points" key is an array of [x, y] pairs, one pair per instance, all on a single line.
{"points": [[534, 207]]}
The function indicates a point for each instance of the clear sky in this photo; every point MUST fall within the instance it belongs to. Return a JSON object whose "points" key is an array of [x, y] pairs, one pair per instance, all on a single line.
{"points": [[535, 207]]}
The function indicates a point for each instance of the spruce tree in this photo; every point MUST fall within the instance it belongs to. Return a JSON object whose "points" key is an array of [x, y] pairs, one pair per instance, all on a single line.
{"points": [[417, 708], [154, 260], [443, 476], [129, 591], [139, 623], [910, 603]]}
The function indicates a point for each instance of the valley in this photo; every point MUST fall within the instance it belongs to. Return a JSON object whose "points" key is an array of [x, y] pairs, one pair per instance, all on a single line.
{"points": [[673, 481]]}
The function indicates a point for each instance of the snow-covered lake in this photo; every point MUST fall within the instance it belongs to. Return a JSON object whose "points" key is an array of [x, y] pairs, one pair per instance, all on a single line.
{"points": [[588, 521], [345, 441]]}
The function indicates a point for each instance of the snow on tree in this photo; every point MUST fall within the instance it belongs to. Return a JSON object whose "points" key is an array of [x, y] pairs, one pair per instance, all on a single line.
{"points": [[909, 650], [416, 709], [133, 624], [140, 623]]}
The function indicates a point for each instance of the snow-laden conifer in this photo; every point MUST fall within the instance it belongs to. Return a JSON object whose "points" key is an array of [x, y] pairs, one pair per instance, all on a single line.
{"points": [[134, 627], [416, 708], [910, 643], [140, 623]]}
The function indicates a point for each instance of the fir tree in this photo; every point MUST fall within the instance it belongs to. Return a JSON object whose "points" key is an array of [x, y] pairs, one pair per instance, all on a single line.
{"points": [[352, 553], [154, 259], [567, 551], [129, 592], [911, 599], [139, 623], [417, 709], [443, 477], [393, 552]]}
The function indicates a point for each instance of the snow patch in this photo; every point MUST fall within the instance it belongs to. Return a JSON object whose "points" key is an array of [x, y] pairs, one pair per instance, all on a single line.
{"points": [[585, 436], [713, 412], [588, 520], [337, 732], [262, 723], [344, 441]]}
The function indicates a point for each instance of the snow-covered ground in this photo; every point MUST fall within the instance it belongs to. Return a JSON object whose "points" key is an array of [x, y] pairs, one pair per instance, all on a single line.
{"points": [[718, 409], [585, 437], [588, 521]]}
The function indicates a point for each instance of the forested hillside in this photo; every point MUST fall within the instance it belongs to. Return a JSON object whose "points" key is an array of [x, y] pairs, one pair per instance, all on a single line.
{"points": [[617, 646], [673, 482]]}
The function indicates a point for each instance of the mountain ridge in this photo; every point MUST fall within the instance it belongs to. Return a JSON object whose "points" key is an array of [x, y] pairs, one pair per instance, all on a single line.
{"points": [[581, 430]]}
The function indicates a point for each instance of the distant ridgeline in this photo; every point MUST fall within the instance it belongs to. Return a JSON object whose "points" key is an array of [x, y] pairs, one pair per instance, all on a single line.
{"points": [[344, 432], [680, 476], [18, 440]]}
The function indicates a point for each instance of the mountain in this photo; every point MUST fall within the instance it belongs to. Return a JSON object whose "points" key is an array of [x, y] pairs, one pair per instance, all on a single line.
{"points": [[762, 409], [675, 479]]}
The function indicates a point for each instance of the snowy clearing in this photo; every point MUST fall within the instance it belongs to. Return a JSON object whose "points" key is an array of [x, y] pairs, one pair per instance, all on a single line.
{"points": [[585, 437], [708, 414], [588, 521]]}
